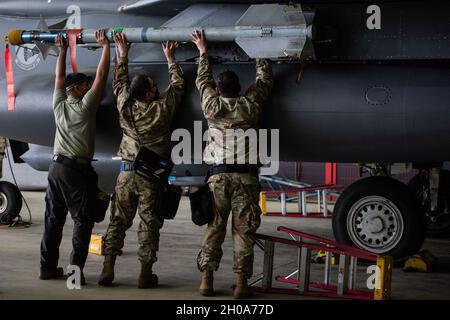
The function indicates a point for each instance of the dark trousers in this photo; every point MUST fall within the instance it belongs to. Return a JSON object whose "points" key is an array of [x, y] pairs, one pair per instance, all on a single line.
{"points": [[70, 188]]}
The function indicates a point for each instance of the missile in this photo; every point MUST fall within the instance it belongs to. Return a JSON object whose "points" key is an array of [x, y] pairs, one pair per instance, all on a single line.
{"points": [[263, 31]]}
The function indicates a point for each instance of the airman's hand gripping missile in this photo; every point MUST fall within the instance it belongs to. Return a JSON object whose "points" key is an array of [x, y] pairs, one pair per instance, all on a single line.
{"points": [[264, 31]]}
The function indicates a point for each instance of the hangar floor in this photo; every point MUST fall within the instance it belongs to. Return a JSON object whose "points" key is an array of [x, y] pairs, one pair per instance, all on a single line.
{"points": [[176, 268]]}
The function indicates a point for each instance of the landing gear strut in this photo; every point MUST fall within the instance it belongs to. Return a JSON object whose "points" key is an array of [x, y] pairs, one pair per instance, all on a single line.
{"points": [[432, 189]]}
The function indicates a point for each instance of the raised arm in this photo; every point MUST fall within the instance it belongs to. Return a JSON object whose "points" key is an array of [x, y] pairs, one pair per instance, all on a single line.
{"points": [[103, 67], [260, 90], [205, 82], [60, 72], [121, 80], [177, 83]]}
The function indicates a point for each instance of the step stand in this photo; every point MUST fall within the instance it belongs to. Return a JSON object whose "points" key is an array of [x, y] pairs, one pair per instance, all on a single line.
{"points": [[320, 192]]}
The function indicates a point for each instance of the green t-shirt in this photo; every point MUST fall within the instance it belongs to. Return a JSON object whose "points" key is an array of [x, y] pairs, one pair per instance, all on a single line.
{"points": [[75, 124]]}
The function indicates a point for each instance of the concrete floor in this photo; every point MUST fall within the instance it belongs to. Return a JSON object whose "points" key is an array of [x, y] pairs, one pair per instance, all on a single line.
{"points": [[176, 268]]}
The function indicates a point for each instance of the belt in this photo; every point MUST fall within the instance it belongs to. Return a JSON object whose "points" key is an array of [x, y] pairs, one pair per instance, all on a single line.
{"points": [[126, 166], [234, 168], [71, 161]]}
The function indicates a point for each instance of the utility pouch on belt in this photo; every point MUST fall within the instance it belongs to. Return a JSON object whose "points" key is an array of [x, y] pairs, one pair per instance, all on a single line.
{"points": [[169, 201], [101, 206], [150, 165], [202, 206], [99, 200]]}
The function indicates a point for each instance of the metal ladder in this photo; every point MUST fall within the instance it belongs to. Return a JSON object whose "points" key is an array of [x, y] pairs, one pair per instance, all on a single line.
{"points": [[346, 273]]}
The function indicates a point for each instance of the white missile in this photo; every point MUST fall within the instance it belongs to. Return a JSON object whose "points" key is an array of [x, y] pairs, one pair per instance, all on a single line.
{"points": [[263, 31]]}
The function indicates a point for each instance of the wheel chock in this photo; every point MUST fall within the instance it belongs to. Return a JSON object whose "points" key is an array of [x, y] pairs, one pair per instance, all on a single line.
{"points": [[423, 261]]}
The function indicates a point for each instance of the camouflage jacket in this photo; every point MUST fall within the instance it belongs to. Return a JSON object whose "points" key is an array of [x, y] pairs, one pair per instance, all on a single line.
{"points": [[153, 120], [227, 116]]}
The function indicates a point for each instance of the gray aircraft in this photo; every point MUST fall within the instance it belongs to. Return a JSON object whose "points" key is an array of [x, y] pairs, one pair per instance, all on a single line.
{"points": [[354, 82]]}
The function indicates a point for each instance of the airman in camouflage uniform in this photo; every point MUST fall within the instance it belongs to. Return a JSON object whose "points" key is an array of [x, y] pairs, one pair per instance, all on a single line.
{"points": [[152, 116], [237, 192]]}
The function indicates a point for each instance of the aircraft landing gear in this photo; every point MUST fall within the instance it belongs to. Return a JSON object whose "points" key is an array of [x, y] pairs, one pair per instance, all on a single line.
{"points": [[10, 202], [10, 197], [435, 200], [381, 215]]}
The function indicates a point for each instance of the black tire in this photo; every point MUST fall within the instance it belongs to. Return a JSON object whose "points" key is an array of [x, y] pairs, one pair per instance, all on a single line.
{"points": [[400, 196], [440, 228], [10, 202]]}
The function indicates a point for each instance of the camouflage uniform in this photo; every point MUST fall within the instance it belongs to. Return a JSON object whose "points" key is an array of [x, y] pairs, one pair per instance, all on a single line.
{"points": [[134, 193], [235, 192]]}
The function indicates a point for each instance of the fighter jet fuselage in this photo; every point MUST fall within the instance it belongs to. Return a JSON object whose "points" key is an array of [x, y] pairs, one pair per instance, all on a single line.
{"points": [[374, 89], [371, 84]]}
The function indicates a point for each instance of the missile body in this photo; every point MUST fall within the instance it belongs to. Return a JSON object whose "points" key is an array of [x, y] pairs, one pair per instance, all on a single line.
{"points": [[283, 33], [140, 35]]}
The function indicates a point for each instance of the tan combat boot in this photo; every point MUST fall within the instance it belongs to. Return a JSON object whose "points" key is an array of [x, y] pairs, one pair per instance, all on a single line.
{"points": [[206, 284], [107, 276], [242, 290], [147, 279]]}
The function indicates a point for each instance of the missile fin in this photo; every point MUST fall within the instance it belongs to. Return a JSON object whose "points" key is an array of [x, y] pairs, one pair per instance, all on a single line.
{"points": [[273, 15], [42, 25], [44, 48], [270, 18], [272, 47], [308, 51], [59, 26]]}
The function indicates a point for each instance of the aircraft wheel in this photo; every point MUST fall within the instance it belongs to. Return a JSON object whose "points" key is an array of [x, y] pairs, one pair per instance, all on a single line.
{"points": [[438, 222], [10, 202], [381, 215]]}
